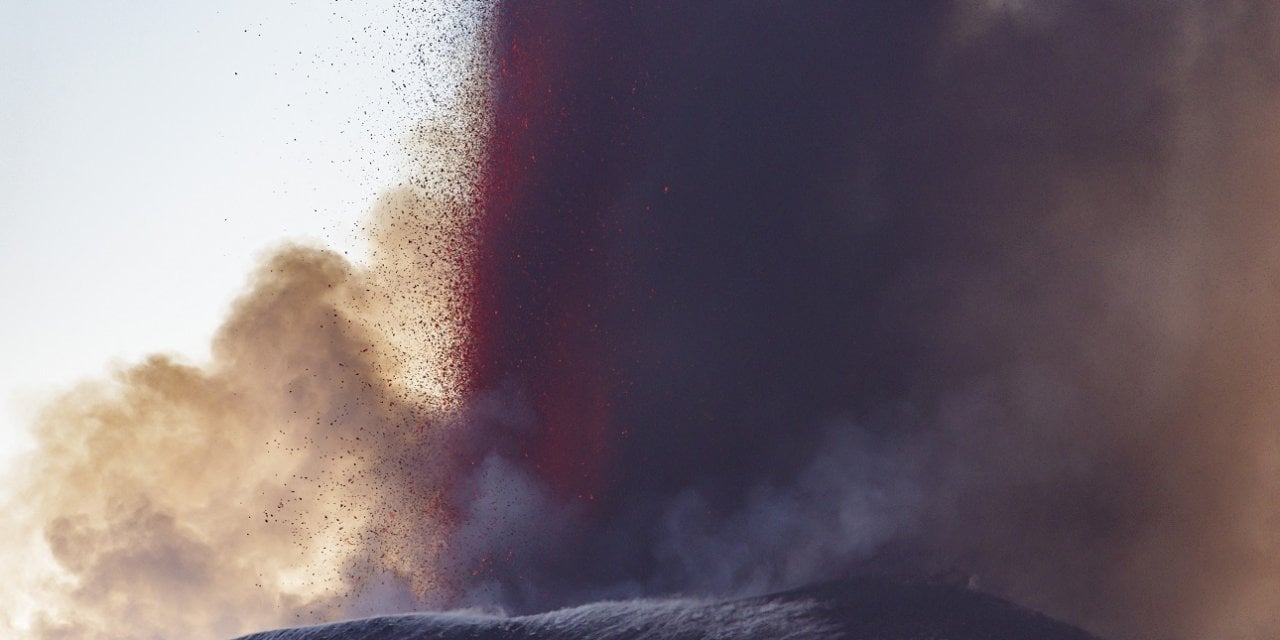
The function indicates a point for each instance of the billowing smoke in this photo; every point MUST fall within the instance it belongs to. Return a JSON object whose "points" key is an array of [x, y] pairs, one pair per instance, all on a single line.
{"points": [[943, 288], [715, 301], [176, 497]]}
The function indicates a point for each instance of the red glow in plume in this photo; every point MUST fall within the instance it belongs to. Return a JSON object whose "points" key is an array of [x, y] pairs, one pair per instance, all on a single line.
{"points": [[539, 295]]}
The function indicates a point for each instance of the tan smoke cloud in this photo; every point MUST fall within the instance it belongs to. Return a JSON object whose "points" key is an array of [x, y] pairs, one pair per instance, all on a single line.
{"points": [[176, 497], [260, 490]]}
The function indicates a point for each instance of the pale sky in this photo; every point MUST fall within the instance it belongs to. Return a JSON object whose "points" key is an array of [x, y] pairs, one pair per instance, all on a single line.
{"points": [[150, 151]]}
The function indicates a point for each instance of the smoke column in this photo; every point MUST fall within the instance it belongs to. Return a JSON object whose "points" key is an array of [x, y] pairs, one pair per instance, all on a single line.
{"points": [[973, 287], [715, 301]]}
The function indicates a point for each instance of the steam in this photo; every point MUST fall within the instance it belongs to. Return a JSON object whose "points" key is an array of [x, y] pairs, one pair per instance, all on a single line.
{"points": [[990, 293]]}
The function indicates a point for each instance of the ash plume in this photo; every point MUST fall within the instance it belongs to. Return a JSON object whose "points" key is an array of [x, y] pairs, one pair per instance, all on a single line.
{"points": [[721, 301], [975, 288]]}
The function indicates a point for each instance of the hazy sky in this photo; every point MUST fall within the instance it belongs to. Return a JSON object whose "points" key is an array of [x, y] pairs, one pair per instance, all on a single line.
{"points": [[150, 151]]}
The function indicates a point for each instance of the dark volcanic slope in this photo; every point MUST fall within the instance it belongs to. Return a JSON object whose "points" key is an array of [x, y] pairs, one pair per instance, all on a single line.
{"points": [[853, 610]]}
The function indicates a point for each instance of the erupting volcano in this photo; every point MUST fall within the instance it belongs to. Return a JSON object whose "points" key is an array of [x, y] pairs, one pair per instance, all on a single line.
{"points": [[937, 306]]}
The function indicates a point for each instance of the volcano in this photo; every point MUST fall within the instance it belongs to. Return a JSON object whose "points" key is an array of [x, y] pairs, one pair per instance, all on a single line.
{"points": [[719, 301], [860, 609]]}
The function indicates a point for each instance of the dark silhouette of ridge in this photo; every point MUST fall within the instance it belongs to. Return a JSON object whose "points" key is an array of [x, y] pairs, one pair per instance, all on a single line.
{"points": [[858, 609]]}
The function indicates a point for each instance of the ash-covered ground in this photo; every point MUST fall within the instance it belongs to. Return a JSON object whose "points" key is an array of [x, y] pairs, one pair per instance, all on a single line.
{"points": [[849, 610]]}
